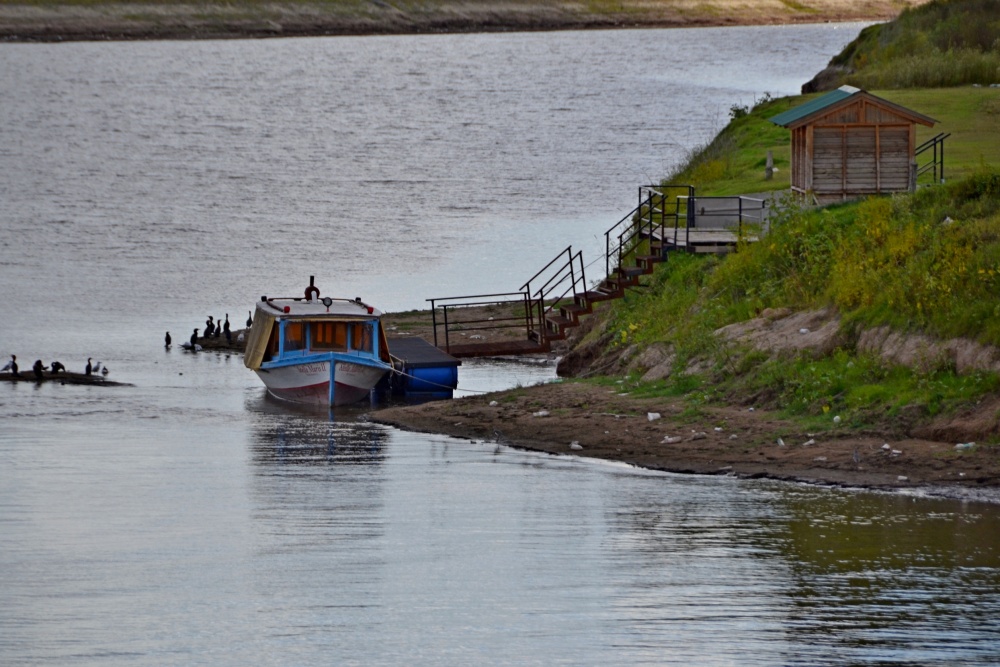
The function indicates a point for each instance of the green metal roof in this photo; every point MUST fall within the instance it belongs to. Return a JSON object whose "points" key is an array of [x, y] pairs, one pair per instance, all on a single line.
{"points": [[809, 108]]}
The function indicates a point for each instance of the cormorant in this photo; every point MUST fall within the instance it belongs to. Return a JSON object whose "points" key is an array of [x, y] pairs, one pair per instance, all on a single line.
{"points": [[38, 368], [249, 319], [166, 340], [194, 339], [89, 369], [57, 368]]}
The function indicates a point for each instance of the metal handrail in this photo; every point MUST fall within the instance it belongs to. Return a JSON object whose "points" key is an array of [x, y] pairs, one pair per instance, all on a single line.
{"points": [[567, 278], [936, 164], [742, 212], [477, 300]]}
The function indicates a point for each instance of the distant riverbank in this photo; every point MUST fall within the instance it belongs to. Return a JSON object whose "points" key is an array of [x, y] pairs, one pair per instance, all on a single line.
{"points": [[85, 21]]}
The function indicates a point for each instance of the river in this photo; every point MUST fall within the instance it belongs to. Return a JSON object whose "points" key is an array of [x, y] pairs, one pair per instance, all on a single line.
{"points": [[188, 519]]}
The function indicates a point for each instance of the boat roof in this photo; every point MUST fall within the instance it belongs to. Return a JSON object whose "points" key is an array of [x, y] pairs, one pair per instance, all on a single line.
{"points": [[315, 308]]}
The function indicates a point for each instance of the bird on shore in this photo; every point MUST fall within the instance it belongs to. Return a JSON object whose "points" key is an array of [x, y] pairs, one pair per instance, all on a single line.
{"points": [[193, 344], [38, 368], [104, 371], [97, 367], [90, 368], [11, 365], [249, 319], [57, 368], [167, 340]]}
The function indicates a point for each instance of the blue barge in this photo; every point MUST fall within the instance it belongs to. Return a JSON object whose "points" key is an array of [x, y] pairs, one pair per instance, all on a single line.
{"points": [[422, 370]]}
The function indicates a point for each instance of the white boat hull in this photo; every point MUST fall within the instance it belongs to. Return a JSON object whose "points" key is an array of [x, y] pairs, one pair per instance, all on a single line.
{"points": [[309, 383]]}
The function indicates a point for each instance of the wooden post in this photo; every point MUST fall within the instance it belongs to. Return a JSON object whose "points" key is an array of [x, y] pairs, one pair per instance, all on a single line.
{"points": [[769, 168]]}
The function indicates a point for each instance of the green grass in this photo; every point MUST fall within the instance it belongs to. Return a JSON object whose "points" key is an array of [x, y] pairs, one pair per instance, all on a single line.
{"points": [[922, 263], [971, 115], [942, 43]]}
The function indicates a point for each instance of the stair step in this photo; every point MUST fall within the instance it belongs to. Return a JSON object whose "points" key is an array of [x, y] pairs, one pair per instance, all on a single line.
{"points": [[631, 271], [573, 311], [559, 322], [595, 296], [649, 260]]}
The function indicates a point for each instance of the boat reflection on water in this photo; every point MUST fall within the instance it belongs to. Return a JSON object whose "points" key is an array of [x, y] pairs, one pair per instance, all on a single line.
{"points": [[287, 433]]}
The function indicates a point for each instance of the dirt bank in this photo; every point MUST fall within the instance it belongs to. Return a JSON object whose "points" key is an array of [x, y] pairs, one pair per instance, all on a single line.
{"points": [[44, 21], [609, 423]]}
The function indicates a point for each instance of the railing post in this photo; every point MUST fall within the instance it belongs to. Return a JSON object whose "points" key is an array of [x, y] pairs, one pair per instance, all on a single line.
{"points": [[607, 253], [739, 225], [434, 321], [447, 338], [691, 204], [941, 180], [528, 315]]}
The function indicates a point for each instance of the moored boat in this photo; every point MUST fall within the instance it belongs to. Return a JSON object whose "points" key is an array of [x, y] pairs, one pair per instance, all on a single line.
{"points": [[320, 351]]}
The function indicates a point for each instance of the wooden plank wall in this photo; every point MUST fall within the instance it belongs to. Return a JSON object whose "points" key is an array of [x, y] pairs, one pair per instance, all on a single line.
{"points": [[856, 150]]}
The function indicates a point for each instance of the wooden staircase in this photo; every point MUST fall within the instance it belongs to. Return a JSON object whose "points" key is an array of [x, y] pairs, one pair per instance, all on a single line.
{"points": [[552, 301]]}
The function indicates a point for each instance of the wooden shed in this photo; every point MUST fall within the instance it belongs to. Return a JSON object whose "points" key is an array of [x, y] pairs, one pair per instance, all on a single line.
{"points": [[849, 143]]}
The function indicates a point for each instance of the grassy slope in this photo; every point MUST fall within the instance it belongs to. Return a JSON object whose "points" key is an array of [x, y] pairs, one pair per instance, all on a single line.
{"points": [[944, 43], [883, 261]]}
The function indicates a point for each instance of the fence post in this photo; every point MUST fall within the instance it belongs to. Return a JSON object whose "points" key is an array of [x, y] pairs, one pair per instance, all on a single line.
{"points": [[942, 161], [434, 323], [447, 338], [739, 220]]}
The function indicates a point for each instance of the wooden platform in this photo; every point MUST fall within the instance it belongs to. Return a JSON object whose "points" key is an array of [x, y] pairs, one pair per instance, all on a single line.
{"points": [[415, 352], [495, 348], [701, 240]]}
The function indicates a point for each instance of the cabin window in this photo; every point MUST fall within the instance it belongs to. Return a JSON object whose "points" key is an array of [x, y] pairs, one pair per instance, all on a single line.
{"points": [[361, 337], [328, 335], [271, 351], [295, 336]]}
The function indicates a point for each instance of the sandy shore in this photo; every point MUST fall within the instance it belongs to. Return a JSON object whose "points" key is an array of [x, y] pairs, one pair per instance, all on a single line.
{"points": [[168, 20], [610, 423]]}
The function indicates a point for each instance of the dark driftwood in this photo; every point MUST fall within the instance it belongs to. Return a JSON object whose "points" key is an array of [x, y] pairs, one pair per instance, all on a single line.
{"points": [[65, 377]]}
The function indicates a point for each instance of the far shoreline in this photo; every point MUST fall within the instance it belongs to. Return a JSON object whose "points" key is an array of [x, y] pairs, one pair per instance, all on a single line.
{"points": [[113, 21]]}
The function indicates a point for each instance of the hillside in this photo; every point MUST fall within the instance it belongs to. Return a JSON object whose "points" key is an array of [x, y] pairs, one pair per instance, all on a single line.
{"points": [[944, 43]]}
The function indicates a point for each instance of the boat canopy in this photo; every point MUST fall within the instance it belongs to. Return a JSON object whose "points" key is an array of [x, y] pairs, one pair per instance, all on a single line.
{"points": [[260, 333]]}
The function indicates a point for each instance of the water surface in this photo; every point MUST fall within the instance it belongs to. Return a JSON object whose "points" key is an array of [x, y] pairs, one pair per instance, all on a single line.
{"points": [[188, 519]]}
